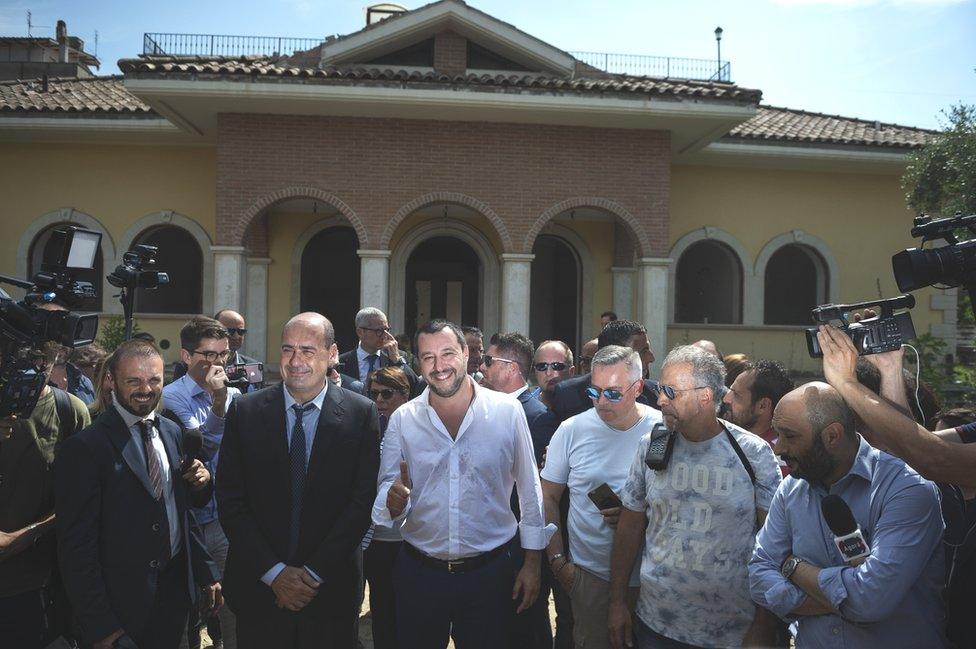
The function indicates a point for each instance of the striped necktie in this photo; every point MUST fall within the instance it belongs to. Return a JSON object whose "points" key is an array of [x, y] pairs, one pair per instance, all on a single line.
{"points": [[152, 459], [298, 461]]}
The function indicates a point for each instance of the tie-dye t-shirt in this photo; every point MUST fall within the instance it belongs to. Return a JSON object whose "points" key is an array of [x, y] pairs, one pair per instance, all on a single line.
{"points": [[701, 511]]}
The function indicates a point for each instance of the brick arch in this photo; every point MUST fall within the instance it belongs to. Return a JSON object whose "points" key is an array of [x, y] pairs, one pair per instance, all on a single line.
{"points": [[447, 197], [605, 204], [278, 196]]}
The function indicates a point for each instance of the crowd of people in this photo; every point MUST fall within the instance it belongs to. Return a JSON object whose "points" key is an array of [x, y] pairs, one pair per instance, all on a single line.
{"points": [[469, 478]]}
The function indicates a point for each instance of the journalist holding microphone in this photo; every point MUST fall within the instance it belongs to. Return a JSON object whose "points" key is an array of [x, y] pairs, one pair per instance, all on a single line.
{"points": [[875, 581]]}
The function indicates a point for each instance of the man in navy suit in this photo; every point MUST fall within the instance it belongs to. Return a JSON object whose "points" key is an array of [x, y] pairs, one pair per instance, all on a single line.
{"points": [[506, 367], [131, 554], [377, 348], [569, 397], [295, 487]]}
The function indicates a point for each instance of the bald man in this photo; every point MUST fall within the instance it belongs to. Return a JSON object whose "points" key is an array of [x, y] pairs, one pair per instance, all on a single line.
{"points": [[297, 479], [236, 330], [893, 598]]}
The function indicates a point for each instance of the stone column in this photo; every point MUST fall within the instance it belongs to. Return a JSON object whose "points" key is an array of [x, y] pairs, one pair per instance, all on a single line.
{"points": [[652, 301], [623, 292], [516, 287], [230, 291], [374, 279], [256, 313]]}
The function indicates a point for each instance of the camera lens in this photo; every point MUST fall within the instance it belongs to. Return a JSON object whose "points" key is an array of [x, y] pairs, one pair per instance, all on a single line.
{"points": [[915, 268]]}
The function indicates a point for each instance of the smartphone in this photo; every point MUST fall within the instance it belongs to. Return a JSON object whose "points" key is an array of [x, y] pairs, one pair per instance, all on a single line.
{"points": [[604, 497]]}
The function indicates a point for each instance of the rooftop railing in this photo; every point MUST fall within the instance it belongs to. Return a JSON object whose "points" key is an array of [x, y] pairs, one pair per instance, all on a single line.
{"points": [[230, 45]]}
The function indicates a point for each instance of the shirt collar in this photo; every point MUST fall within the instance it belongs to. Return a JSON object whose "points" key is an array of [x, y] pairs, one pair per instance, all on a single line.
{"points": [[362, 354], [129, 418], [518, 392], [192, 386], [317, 401], [863, 463]]}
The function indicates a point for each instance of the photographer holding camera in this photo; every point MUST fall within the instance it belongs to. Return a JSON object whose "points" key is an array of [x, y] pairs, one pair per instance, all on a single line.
{"points": [[27, 545]]}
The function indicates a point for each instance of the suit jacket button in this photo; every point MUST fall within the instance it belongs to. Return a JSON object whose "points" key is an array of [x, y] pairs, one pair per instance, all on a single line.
{"points": [[155, 527], [153, 564]]}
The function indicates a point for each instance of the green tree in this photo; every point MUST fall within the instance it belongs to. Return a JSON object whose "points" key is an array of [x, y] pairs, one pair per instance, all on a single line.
{"points": [[111, 332], [941, 177]]}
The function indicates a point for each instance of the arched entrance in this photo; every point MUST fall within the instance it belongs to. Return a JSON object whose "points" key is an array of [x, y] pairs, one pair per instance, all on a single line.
{"points": [[556, 291], [330, 280], [443, 280]]}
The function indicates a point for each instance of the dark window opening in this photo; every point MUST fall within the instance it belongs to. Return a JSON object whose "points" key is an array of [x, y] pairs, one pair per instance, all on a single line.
{"points": [[336, 296], [419, 55], [796, 282], [708, 285], [480, 58], [180, 257]]}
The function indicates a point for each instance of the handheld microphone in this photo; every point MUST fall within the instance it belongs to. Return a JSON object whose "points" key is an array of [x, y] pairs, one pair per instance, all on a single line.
{"points": [[847, 535], [192, 443]]}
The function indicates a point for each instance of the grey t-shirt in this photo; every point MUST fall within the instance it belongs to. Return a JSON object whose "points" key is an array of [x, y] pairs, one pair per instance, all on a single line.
{"points": [[701, 530]]}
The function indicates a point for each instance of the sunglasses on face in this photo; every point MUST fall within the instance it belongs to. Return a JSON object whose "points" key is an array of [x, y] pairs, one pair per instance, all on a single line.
{"points": [[612, 394], [670, 391], [386, 393], [488, 360], [240, 331], [555, 365]]}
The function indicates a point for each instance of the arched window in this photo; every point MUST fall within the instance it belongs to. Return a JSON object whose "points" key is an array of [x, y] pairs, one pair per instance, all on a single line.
{"points": [[708, 285], [180, 257], [796, 281], [43, 249]]}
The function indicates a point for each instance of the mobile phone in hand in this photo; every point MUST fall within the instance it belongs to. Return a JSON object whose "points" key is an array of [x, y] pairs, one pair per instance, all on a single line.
{"points": [[604, 497]]}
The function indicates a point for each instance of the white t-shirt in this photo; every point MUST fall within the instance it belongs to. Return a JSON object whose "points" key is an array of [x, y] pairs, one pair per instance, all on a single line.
{"points": [[583, 454], [701, 530]]}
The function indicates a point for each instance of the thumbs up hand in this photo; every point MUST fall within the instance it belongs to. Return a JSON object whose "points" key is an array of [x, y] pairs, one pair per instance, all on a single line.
{"points": [[399, 493]]}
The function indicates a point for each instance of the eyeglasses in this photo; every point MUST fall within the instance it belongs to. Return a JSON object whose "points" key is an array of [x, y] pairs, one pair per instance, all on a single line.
{"points": [[385, 330], [670, 391], [555, 365], [488, 360], [386, 393], [612, 394], [212, 356], [240, 331]]}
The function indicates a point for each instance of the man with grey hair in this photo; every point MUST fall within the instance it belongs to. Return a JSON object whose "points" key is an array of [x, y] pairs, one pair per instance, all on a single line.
{"points": [[701, 491], [591, 454], [377, 348]]}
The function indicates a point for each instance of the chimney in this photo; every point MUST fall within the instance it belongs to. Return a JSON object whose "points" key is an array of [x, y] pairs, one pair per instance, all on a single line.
{"points": [[62, 36], [44, 82]]}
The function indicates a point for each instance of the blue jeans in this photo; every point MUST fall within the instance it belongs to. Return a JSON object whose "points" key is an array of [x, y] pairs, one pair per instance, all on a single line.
{"points": [[433, 605]]}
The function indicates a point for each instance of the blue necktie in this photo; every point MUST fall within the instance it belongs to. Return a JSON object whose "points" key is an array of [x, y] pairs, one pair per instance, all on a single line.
{"points": [[299, 466], [371, 359]]}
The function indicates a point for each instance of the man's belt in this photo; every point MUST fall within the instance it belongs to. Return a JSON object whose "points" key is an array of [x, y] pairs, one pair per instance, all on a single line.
{"points": [[456, 566]]}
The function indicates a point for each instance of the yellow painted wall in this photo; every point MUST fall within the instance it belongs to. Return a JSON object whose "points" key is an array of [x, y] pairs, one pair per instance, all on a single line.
{"points": [[862, 217]]}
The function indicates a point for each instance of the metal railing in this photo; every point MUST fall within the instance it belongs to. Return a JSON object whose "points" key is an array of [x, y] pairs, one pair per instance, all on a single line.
{"points": [[224, 45], [658, 66], [229, 45]]}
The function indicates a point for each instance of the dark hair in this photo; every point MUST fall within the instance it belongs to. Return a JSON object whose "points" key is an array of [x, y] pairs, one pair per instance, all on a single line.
{"points": [[955, 417], [90, 355], [870, 377], [619, 332], [609, 314], [517, 345], [772, 381], [197, 329], [436, 326], [735, 364], [130, 349], [472, 331], [145, 335], [391, 377]]}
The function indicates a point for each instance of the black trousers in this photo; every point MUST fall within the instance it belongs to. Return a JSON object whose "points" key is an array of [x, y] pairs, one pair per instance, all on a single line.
{"points": [[23, 622], [531, 628], [167, 624], [380, 558]]}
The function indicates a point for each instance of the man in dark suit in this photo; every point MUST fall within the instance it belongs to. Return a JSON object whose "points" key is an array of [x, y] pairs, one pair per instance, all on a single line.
{"points": [[570, 398], [295, 486], [377, 348], [506, 367], [131, 555]]}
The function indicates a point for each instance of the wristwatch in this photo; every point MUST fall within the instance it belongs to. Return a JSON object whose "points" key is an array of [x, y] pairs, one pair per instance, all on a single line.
{"points": [[556, 557], [789, 566]]}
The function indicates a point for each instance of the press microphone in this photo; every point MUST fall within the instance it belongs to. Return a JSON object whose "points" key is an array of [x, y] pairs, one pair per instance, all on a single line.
{"points": [[847, 535], [192, 443]]}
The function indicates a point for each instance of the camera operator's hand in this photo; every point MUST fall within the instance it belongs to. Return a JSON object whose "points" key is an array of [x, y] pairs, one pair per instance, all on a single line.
{"points": [[196, 475], [839, 356], [109, 641], [7, 425]]}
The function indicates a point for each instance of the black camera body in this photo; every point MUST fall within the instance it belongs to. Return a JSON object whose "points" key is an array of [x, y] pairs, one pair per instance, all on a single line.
{"points": [[885, 332], [951, 265], [243, 375], [25, 326], [135, 271]]}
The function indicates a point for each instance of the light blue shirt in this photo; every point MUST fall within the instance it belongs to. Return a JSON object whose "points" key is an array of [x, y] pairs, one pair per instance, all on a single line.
{"points": [[310, 421], [363, 356], [894, 598], [194, 407]]}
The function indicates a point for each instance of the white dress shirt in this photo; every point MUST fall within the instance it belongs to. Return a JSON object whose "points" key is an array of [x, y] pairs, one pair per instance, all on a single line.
{"points": [[459, 503], [166, 476]]}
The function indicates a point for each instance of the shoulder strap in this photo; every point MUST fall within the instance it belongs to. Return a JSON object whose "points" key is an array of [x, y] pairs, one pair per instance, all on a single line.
{"points": [[746, 464], [62, 405]]}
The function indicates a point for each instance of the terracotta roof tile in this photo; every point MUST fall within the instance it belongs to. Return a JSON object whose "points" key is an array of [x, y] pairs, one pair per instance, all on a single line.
{"points": [[98, 95], [257, 67], [790, 125]]}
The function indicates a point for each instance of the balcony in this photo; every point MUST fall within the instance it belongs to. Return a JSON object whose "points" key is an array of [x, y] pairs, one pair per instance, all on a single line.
{"points": [[230, 45]]}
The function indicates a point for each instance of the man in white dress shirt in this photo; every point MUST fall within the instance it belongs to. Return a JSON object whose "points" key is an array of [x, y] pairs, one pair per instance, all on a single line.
{"points": [[450, 459]]}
